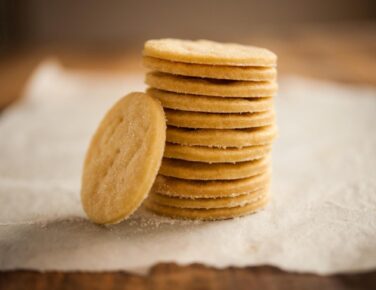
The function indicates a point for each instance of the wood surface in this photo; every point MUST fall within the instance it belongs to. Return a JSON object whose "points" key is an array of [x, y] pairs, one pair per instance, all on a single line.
{"points": [[195, 277], [345, 54]]}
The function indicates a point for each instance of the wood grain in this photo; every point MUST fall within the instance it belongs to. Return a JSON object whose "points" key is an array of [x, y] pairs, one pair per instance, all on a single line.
{"points": [[171, 276]]}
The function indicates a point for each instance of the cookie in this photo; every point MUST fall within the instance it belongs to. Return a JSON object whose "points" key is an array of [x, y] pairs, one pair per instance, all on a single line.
{"points": [[216, 171], [210, 87], [214, 154], [199, 103], [208, 203], [207, 214], [241, 73], [201, 120], [221, 138], [209, 52], [123, 159], [209, 189]]}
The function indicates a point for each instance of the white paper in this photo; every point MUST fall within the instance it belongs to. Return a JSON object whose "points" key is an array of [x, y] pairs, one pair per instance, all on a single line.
{"points": [[322, 218]]}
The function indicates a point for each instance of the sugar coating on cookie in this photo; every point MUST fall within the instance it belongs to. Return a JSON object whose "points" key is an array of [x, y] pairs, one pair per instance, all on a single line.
{"points": [[217, 171], [200, 120], [200, 103], [221, 137], [244, 73], [208, 203], [209, 189], [210, 87], [209, 52], [123, 159], [208, 214], [215, 154]]}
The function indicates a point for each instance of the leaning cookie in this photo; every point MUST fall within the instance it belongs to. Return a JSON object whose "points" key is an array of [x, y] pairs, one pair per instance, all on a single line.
{"points": [[123, 159]]}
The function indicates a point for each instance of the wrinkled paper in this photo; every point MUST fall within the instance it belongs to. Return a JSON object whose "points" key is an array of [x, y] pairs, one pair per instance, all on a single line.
{"points": [[322, 218]]}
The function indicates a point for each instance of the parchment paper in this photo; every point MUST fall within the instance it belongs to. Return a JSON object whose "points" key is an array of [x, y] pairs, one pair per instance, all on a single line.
{"points": [[322, 218]]}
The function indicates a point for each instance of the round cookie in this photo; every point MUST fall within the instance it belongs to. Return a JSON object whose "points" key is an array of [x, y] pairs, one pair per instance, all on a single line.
{"points": [[241, 73], [207, 203], [207, 214], [209, 189], [201, 120], [215, 154], [199, 103], [221, 137], [123, 159], [209, 52], [210, 87], [217, 171]]}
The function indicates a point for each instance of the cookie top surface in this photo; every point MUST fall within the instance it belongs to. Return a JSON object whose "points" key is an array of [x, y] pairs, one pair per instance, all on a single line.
{"points": [[209, 52], [123, 159]]}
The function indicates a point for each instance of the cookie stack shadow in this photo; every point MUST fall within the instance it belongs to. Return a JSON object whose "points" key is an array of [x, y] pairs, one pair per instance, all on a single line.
{"points": [[220, 129]]}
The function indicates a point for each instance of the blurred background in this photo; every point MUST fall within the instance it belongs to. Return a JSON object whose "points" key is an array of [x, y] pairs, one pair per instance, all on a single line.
{"points": [[327, 39]]}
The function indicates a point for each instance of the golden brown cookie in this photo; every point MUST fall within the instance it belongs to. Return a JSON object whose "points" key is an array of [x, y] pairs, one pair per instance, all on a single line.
{"points": [[209, 52], [201, 120], [199, 103], [123, 159], [221, 138], [216, 171], [209, 189], [215, 154], [210, 87], [207, 214], [208, 203], [242, 73]]}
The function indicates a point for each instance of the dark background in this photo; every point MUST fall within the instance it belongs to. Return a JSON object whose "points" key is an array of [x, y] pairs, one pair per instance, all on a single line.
{"points": [[325, 39], [116, 24]]}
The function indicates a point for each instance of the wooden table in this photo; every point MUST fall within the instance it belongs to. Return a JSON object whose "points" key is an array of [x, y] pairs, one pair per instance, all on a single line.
{"points": [[343, 54]]}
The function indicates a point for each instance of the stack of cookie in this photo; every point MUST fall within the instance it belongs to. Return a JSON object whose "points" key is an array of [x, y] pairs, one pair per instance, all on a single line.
{"points": [[218, 102]]}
